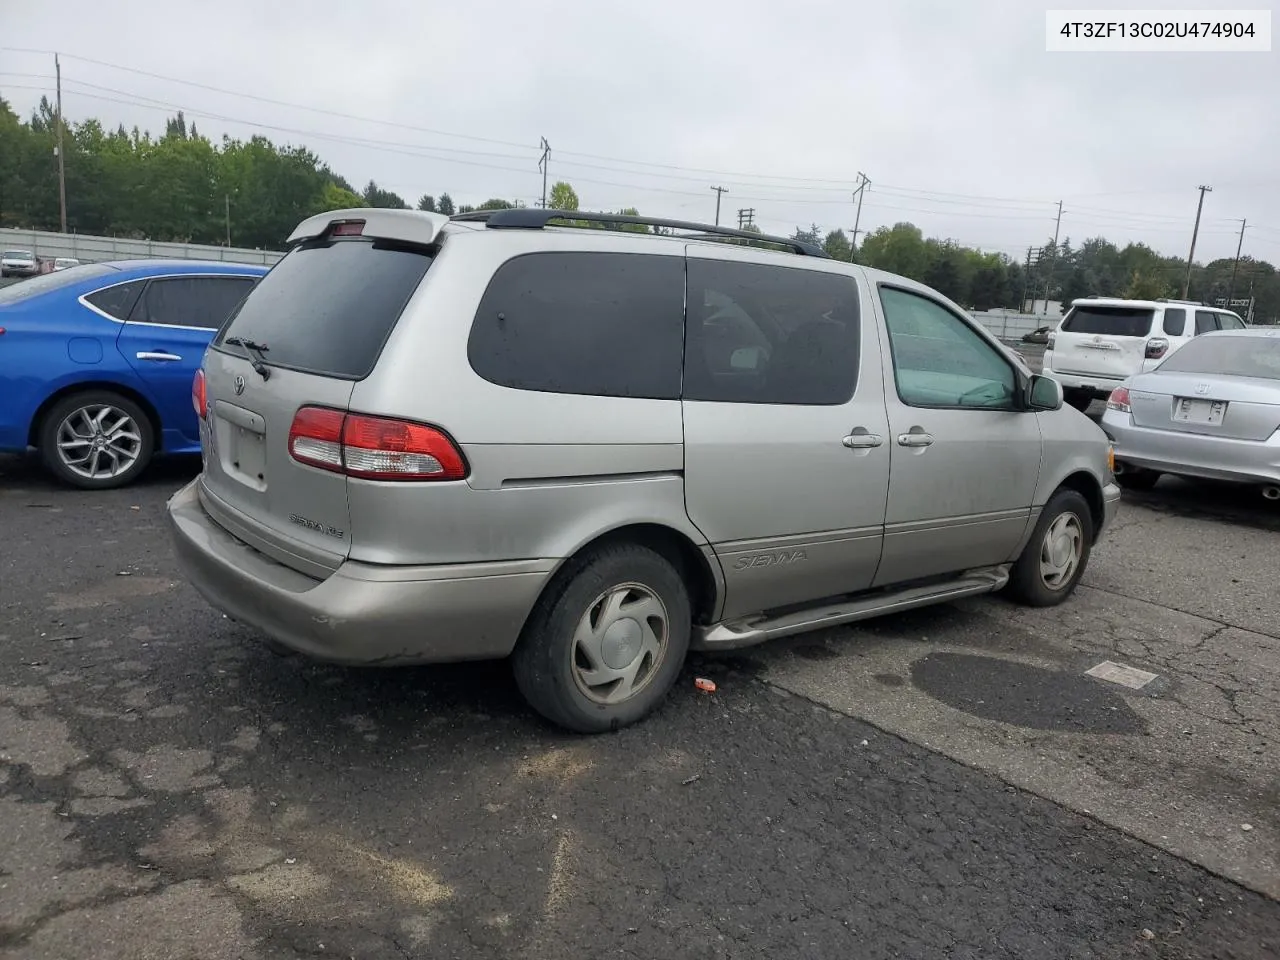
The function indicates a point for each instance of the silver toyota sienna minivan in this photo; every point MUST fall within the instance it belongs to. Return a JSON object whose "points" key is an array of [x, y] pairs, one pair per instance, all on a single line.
{"points": [[552, 437]]}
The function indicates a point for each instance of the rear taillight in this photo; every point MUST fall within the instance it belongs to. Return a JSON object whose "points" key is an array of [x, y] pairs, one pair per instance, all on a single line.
{"points": [[373, 448], [199, 395], [1119, 400], [315, 437], [1156, 348]]}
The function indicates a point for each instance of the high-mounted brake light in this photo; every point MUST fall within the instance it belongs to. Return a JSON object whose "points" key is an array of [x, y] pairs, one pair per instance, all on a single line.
{"points": [[1119, 400], [373, 448], [1156, 348], [199, 394], [347, 228]]}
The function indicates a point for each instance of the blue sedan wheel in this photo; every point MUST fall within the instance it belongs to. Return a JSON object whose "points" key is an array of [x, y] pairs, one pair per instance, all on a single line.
{"points": [[97, 440]]}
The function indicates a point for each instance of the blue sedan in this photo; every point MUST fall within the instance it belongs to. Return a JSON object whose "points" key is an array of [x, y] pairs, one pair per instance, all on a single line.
{"points": [[97, 362]]}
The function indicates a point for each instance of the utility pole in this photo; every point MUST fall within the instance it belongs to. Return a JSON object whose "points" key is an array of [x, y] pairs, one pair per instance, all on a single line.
{"points": [[1026, 283], [1186, 284], [1236, 266], [719, 191], [863, 183], [746, 217], [227, 198], [62, 163], [543, 164], [1053, 262]]}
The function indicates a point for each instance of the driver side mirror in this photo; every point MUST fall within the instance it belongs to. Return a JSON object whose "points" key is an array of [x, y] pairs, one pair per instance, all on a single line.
{"points": [[1044, 393]]}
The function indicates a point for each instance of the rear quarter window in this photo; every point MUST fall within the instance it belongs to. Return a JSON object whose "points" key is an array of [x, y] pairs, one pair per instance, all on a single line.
{"points": [[600, 324], [1175, 321], [1109, 321], [328, 306]]}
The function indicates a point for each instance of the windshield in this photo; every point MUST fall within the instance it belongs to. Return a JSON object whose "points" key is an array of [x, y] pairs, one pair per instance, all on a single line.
{"points": [[26, 289], [329, 306], [18, 255], [1110, 321], [1227, 356]]}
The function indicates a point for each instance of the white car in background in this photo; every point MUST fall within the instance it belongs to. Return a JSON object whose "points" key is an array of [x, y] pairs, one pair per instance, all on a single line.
{"points": [[19, 263], [1104, 340], [62, 263]]}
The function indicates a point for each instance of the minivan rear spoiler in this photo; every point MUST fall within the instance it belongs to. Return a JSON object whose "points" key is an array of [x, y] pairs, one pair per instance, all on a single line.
{"points": [[380, 223]]}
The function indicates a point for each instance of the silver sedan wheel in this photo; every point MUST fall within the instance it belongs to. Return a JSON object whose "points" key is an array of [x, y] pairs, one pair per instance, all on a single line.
{"points": [[620, 643], [98, 441], [1061, 550]]}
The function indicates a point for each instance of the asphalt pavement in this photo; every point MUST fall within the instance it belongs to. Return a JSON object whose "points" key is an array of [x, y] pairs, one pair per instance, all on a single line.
{"points": [[169, 788]]}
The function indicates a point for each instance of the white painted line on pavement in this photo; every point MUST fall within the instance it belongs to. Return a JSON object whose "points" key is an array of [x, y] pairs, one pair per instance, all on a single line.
{"points": [[1130, 677]]}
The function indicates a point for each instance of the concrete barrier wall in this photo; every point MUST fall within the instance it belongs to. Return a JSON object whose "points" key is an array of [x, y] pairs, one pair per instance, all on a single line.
{"points": [[88, 249], [1008, 325]]}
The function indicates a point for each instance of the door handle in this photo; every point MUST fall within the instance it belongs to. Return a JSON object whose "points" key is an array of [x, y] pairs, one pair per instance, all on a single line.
{"points": [[914, 439], [862, 441], [157, 355]]}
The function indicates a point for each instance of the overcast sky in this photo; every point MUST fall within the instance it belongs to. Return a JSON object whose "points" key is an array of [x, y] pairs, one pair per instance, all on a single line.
{"points": [[961, 120]]}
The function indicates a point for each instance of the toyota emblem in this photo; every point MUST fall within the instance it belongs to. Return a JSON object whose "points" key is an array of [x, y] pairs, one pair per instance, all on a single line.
{"points": [[239, 385]]}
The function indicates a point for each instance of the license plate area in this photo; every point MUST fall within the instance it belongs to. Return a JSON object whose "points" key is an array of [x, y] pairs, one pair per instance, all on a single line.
{"points": [[1191, 410], [241, 446]]}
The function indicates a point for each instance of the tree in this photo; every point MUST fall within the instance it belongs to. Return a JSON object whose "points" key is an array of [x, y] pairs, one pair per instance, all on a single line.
{"points": [[446, 205], [837, 246], [562, 197], [427, 202], [494, 203], [375, 196], [808, 236], [334, 197]]}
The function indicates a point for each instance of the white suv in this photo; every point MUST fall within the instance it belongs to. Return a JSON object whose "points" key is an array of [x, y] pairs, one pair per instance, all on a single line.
{"points": [[1104, 340]]}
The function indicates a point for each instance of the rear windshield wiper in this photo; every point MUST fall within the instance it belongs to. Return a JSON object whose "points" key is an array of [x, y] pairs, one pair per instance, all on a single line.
{"points": [[254, 351]]}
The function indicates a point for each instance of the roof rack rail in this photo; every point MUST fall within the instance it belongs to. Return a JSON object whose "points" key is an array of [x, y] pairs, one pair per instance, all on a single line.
{"points": [[531, 218]]}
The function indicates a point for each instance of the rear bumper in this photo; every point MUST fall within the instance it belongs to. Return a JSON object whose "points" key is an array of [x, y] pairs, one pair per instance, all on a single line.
{"points": [[1098, 386], [1192, 455], [362, 613]]}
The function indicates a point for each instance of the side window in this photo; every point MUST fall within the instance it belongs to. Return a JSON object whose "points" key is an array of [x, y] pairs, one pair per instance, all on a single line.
{"points": [[1175, 321], [190, 301], [766, 334], [217, 297], [1230, 322], [602, 324], [939, 360], [118, 300], [1205, 321]]}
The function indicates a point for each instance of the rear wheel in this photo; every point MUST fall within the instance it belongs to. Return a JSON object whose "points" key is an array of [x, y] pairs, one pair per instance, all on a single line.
{"points": [[96, 440], [1055, 557], [1080, 399], [606, 641], [1136, 478]]}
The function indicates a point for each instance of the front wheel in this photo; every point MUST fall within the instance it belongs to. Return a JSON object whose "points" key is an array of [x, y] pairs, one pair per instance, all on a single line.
{"points": [[1055, 557], [96, 440], [606, 641]]}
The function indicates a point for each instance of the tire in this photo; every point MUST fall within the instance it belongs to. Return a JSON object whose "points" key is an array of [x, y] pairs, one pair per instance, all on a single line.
{"points": [[1135, 478], [1065, 510], [1082, 400], [554, 671], [73, 421]]}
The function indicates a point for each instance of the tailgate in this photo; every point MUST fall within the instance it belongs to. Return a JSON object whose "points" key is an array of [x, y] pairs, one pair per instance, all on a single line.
{"points": [[310, 330], [294, 513], [1235, 408], [1102, 341]]}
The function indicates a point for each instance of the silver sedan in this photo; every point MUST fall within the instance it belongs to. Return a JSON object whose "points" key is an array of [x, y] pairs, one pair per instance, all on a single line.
{"points": [[1211, 410]]}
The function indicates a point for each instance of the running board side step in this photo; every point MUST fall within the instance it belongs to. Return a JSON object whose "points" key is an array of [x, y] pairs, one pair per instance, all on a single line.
{"points": [[757, 628]]}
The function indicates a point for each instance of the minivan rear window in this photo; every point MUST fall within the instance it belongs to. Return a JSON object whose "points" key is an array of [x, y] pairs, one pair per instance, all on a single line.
{"points": [[1109, 321], [329, 306]]}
